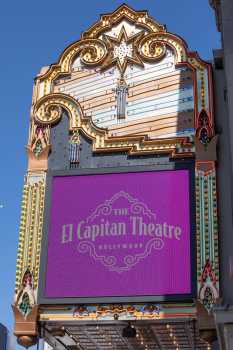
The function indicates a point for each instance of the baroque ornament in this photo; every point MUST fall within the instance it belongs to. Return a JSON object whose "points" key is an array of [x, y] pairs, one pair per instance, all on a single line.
{"points": [[151, 48], [208, 291], [26, 298], [93, 52], [102, 138], [39, 139], [52, 113], [204, 130], [117, 311], [93, 233], [123, 50]]}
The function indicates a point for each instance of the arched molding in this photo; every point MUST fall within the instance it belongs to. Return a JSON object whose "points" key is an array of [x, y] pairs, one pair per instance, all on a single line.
{"points": [[139, 18], [92, 52], [161, 40], [95, 50], [48, 111], [91, 44]]}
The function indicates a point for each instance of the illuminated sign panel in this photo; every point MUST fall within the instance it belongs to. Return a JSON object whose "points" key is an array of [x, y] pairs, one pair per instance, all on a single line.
{"points": [[119, 235]]}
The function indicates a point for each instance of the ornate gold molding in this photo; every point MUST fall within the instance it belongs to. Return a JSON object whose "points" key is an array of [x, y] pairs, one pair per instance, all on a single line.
{"points": [[92, 52], [152, 46], [30, 232], [102, 141], [139, 18], [99, 53], [95, 48], [131, 41]]}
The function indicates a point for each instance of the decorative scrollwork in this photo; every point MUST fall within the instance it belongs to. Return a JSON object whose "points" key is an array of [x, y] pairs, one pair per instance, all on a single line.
{"points": [[48, 110], [52, 113], [93, 52], [152, 49], [48, 114], [102, 139]]}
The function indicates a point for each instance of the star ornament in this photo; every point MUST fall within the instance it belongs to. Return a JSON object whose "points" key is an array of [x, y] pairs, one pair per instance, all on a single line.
{"points": [[123, 50]]}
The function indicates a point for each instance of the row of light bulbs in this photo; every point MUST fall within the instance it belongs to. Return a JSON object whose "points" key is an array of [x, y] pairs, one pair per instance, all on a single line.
{"points": [[141, 339], [172, 336]]}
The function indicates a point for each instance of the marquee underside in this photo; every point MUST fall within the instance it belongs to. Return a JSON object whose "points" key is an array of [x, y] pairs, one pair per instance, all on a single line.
{"points": [[107, 335]]}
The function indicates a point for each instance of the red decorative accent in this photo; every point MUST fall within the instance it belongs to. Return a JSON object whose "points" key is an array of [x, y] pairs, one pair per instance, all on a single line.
{"points": [[210, 85], [81, 310], [204, 131], [27, 279], [151, 309], [208, 272], [40, 132]]}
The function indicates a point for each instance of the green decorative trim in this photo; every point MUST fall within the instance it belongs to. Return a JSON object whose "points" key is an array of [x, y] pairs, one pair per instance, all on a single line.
{"points": [[207, 236]]}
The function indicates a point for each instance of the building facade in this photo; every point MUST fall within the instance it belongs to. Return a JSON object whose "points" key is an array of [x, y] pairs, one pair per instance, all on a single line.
{"points": [[223, 86], [118, 244]]}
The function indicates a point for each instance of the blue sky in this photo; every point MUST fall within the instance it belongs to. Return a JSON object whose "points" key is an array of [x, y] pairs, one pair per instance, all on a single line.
{"points": [[33, 34]]}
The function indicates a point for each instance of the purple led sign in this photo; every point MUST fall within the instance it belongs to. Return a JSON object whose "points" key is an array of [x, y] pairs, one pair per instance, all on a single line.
{"points": [[124, 234]]}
